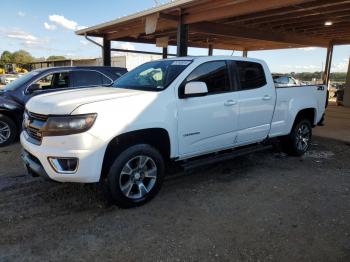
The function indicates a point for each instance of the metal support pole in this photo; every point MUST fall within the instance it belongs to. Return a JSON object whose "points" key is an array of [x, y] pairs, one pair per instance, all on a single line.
{"points": [[210, 50], [165, 52], [245, 53], [106, 52], [328, 65], [182, 38]]}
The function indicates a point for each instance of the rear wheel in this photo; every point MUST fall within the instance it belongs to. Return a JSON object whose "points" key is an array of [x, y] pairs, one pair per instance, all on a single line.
{"points": [[299, 139], [8, 131], [135, 176]]}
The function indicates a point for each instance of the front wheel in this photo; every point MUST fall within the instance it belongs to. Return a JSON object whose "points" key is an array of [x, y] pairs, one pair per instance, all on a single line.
{"points": [[135, 176], [299, 139]]}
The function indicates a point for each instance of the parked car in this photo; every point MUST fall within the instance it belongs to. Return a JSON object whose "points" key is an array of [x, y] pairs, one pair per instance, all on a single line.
{"points": [[15, 95], [7, 78], [188, 110], [285, 80]]}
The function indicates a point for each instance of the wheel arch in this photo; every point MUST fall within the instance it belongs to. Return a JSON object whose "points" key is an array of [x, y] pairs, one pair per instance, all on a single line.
{"points": [[306, 113], [156, 137]]}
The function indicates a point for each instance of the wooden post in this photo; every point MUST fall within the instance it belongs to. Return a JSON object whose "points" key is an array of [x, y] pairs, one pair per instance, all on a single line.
{"points": [[327, 71], [346, 98], [182, 38], [106, 52], [165, 52], [245, 53], [210, 50]]}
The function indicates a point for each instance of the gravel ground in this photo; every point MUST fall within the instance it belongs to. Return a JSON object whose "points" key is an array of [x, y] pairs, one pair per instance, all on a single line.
{"points": [[261, 207]]}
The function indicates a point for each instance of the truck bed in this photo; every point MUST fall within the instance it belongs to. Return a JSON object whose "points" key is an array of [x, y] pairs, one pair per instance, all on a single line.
{"points": [[292, 99]]}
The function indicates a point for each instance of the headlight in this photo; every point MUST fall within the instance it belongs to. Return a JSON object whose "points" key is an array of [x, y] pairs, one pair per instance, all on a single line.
{"points": [[68, 125]]}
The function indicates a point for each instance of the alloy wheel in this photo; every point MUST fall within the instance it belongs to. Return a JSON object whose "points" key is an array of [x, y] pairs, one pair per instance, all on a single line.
{"points": [[138, 177], [303, 137], [5, 132]]}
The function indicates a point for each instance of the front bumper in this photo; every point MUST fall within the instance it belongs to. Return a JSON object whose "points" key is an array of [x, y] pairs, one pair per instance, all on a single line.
{"points": [[33, 164], [87, 148]]}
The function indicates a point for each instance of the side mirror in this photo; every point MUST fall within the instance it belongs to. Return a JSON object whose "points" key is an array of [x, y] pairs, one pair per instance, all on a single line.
{"points": [[195, 89], [33, 87]]}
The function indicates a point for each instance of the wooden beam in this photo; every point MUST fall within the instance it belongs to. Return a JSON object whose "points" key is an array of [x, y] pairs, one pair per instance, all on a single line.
{"points": [[182, 39], [165, 52], [296, 19], [140, 29], [169, 17], [210, 50], [289, 12], [253, 33], [106, 52], [327, 71], [236, 9]]}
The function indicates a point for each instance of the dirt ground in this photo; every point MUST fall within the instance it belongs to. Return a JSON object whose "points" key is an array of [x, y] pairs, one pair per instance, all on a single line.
{"points": [[261, 207]]}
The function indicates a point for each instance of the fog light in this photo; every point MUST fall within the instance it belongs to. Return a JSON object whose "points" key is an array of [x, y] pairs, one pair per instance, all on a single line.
{"points": [[64, 165]]}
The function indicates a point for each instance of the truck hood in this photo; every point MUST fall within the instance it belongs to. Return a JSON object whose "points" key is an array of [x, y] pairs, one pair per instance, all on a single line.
{"points": [[63, 103]]}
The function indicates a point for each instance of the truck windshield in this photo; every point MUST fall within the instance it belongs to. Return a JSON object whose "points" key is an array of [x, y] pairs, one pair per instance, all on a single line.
{"points": [[20, 81], [152, 76]]}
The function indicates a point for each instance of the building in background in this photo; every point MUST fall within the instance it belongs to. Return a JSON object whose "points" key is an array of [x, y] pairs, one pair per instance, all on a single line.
{"points": [[127, 60]]}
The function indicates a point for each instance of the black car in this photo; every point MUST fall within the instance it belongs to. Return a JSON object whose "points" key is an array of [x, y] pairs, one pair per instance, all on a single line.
{"points": [[15, 95]]}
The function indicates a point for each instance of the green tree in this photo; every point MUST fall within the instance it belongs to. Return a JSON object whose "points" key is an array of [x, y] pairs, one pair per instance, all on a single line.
{"points": [[55, 57], [6, 57], [21, 57]]}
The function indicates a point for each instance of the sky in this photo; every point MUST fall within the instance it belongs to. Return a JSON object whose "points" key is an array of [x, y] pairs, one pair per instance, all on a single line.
{"points": [[47, 28]]}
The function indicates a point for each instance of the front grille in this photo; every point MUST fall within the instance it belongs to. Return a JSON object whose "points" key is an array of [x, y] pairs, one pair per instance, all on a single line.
{"points": [[37, 116], [33, 124], [34, 133]]}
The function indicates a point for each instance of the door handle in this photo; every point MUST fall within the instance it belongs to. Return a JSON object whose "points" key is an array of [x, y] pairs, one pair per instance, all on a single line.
{"points": [[230, 103], [266, 97]]}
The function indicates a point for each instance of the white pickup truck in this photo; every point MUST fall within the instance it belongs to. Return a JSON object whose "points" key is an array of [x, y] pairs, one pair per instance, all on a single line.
{"points": [[188, 110]]}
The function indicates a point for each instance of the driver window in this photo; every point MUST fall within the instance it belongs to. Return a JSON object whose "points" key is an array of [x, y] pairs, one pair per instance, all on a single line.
{"points": [[214, 74], [53, 81]]}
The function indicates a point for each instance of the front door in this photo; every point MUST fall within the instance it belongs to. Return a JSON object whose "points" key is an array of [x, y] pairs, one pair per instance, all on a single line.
{"points": [[208, 123]]}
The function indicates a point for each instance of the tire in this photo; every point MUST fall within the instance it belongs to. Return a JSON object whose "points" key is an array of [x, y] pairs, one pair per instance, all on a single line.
{"points": [[8, 131], [135, 176], [299, 140]]}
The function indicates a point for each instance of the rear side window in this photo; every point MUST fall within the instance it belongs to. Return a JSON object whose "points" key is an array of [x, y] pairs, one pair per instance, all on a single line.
{"points": [[214, 74], [251, 75], [90, 78]]}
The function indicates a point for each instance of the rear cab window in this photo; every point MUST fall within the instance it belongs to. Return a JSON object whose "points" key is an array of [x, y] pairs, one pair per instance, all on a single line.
{"points": [[251, 75]]}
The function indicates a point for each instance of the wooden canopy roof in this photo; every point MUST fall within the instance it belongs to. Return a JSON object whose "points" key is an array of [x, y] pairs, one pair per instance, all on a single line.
{"points": [[236, 24]]}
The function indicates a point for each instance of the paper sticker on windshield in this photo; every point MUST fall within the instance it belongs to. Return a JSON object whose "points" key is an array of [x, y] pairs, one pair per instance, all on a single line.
{"points": [[182, 63]]}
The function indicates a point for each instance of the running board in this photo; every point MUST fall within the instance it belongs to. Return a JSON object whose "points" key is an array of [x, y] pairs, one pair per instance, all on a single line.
{"points": [[212, 159]]}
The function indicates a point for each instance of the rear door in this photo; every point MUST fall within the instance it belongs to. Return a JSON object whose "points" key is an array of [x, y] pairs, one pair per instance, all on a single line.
{"points": [[209, 122], [256, 102]]}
